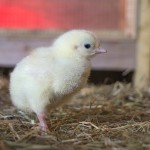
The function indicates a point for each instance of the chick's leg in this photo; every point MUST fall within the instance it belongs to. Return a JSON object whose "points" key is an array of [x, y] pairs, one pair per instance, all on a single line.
{"points": [[42, 125]]}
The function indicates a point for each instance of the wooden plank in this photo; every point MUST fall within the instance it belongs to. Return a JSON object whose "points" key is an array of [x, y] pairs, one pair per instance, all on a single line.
{"points": [[142, 74], [120, 56]]}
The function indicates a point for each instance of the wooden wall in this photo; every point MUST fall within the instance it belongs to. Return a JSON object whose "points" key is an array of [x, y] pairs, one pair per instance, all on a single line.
{"points": [[26, 25]]}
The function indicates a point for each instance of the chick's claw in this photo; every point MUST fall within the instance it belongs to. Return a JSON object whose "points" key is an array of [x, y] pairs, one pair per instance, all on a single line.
{"points": [[42, 125], [43, 129]]}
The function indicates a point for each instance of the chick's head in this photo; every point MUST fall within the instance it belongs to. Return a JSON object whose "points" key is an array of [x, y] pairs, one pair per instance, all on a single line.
{"points": [[80, 43]]}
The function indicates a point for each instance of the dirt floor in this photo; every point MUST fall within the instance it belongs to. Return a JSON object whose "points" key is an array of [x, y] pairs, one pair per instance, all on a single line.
{"points": [[107, 117]]}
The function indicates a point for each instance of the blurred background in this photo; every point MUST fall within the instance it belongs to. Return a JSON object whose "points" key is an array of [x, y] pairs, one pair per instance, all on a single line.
{"points": [[25, 25]]}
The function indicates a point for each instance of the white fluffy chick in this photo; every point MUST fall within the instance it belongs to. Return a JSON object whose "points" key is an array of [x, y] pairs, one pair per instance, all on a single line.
{"points": [[50, 76]]}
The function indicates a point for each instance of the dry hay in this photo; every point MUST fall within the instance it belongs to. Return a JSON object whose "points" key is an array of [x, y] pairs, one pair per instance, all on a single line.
{"points": [[100, 117]]}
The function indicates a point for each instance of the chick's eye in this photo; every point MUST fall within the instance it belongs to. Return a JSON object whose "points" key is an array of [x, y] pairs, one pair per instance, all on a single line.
{"points": [[87, 46]]}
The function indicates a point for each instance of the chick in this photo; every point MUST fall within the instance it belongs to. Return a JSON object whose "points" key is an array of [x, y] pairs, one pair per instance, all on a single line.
{"points": [[50, 76]]}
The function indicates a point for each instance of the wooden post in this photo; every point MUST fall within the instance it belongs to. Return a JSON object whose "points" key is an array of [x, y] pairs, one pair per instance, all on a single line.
{"points": [[142, 73]]}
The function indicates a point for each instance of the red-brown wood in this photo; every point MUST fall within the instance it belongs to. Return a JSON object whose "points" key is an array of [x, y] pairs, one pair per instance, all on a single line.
{"points": [[62, 14]]}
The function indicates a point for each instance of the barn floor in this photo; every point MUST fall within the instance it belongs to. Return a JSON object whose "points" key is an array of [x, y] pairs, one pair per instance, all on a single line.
{"points": [[103, 117]]}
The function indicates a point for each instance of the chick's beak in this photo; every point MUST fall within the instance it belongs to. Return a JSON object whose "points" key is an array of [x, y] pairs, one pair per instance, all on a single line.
{"points": [[100, 50]]}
